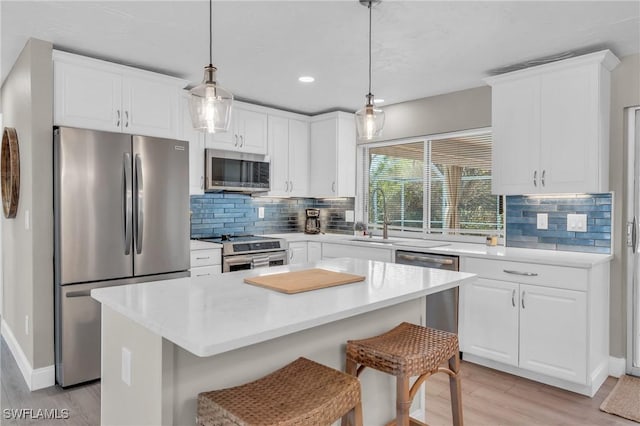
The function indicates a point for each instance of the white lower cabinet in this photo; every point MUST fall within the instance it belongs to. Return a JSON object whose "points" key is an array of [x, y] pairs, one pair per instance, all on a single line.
{"points": [[206, 262], [553, 332], [297, 252], [314, 251], [546, 323], [490, 326]]}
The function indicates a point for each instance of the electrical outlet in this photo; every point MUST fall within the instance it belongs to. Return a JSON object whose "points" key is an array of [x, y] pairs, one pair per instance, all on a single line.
{"points": [[577, 222], [26, 325], [126, 366], [542, 221], [261, 212], [349, 216]]}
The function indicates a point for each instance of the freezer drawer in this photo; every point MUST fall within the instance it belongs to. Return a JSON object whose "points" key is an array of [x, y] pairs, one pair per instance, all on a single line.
{"points": [[78, 328], [77, 334]]}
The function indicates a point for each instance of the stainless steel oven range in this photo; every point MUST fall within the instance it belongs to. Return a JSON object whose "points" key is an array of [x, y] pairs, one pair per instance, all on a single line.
{"points": [[250, 251]]}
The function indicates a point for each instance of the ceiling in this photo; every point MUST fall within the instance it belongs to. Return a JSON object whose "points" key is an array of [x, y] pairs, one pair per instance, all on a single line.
{"points": [[420, 48]]}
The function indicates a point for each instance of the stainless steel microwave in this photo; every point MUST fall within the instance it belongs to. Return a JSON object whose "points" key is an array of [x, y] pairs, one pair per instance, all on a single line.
{"points": [[235, 171]]}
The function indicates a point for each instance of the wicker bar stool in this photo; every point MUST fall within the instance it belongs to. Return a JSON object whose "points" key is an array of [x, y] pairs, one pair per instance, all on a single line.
{"points": [[406, 351], [302, 393]]}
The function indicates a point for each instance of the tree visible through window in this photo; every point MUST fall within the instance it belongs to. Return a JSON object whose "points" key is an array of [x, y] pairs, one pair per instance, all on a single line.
{"points": [[439, 185]]}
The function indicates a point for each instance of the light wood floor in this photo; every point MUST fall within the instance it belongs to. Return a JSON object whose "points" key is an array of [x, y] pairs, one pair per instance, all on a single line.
{"points": [[83, 402], [489, 398]]}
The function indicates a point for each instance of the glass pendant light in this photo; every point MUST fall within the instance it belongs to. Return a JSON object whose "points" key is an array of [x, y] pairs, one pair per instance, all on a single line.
{"points": [[210, 104], [369, 120]]}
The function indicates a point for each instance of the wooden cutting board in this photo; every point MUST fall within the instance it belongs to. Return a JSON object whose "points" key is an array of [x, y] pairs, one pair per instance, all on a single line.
{"points": [[299, 281]]}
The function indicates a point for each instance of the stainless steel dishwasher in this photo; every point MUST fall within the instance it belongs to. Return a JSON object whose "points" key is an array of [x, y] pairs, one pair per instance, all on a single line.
{"points": [[442, 308]]}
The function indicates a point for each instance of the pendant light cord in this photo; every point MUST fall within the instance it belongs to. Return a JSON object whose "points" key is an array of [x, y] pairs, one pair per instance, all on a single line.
{"points": [[210, 32], [370, 7]]}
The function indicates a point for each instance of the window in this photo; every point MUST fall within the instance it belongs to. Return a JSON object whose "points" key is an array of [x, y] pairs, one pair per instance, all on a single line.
{"points": [[434, 185]]}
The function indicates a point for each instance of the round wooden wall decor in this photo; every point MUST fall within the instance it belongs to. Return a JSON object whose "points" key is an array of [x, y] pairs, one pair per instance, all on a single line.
{"points": [[10, 164]]}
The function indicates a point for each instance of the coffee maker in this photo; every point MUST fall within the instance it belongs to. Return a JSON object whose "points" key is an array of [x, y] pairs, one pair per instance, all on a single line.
{"points": [[312, 224]]}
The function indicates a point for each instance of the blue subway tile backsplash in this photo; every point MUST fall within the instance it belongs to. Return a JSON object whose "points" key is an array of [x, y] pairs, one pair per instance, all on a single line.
{"points": [[230, 213], [521, 217]]}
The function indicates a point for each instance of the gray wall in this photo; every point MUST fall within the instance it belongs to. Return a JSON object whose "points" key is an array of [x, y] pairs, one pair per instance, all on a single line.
{"points": [[27, 105], [466, 109], [625, 92]]}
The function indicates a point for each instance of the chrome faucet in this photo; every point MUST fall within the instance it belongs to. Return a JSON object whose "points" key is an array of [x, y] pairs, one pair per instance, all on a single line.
{"points": [[385, 217]]}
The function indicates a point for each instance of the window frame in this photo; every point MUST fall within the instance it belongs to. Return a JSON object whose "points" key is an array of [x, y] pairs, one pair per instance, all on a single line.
{"points": [[362, 185]]}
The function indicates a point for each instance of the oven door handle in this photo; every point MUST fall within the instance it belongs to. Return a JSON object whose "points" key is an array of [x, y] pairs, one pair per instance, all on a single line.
{"points": [[238, 260], [259, 261]]}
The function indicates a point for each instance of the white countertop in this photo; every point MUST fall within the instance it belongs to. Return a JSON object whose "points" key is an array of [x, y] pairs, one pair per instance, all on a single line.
{"points": [[215, 314], [203, 245], [546, 257]]}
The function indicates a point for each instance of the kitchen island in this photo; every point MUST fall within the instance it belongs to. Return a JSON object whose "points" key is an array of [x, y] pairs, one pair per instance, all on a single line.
{"points": [[164, 342]]}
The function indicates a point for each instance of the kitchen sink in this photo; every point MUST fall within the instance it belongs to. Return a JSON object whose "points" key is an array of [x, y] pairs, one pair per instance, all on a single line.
{"points": [[373, 240]]}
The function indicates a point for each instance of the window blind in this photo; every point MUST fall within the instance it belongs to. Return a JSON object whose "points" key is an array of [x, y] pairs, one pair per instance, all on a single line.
{"points": [[435, 185]]}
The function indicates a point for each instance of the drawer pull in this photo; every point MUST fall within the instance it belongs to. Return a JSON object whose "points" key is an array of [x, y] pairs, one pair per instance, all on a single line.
{"points": [[202, 258], [526, 274], [513, 298], [523, 299], [203, 275]]}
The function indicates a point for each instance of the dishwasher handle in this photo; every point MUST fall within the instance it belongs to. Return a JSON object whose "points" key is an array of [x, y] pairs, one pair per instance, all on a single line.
{"points": [[426, 259]]}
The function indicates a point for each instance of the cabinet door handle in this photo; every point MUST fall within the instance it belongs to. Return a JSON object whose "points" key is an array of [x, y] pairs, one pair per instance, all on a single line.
{"points": [[203, 275], [290, 186], [544, 172], [535, 178], [201, 182], [118, 120], [286, 184], [290, 254], [523, 299], [235, 137], [513, 298], [202, 258], [333, 186], [241, 141], [526, 274], [126, 117]]}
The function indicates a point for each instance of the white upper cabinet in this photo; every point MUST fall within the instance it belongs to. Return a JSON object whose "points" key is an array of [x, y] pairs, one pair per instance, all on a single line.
{"points": [[196, 141], [247, 131], [551, 127], [289, 156], [333, 155], [94, 94]]}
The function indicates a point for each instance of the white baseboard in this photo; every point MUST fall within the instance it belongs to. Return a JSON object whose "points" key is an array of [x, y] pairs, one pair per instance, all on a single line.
{"points": [[35, 379], [617, 366]]}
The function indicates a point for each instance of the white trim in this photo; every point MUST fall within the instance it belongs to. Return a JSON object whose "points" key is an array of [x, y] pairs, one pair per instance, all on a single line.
{"points": [[597, 377], [604, 57], [39, 378], [630, 258], [617, 366]]}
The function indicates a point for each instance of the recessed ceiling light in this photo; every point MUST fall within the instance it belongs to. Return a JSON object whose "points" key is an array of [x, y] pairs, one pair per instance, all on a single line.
{"points": [[378, 101], [306, 79]]}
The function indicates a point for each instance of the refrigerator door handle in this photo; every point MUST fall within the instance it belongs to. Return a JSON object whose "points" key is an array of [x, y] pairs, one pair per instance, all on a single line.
{"points": [[128, 202], [139, 205], [634, 235]]}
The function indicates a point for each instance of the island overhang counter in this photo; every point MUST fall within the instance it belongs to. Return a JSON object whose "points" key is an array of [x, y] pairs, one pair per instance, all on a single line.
{"points": [[164, 342]]}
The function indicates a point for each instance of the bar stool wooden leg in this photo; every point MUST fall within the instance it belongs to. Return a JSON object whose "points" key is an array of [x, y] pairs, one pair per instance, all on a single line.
{"points": [[403, 401], [456, 391], [354, 417], [357, 414]]}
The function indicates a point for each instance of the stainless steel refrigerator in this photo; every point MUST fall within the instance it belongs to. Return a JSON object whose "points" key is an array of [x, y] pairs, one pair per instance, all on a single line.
{"points": [[121, 214]]}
